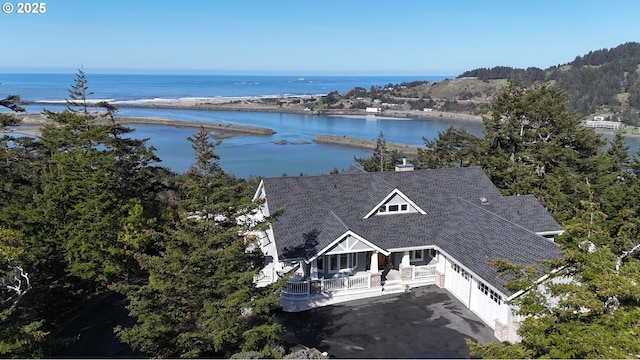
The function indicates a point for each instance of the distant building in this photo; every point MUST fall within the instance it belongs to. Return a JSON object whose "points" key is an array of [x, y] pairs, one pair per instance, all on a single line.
{"points": [[373, 110], [598, 122]]}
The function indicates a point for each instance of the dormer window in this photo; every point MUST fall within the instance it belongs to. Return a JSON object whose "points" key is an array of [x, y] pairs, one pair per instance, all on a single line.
{"points": [[393, 208]]}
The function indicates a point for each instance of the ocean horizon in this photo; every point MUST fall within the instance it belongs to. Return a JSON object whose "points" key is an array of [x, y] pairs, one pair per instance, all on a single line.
{"points": [[39, 87]]}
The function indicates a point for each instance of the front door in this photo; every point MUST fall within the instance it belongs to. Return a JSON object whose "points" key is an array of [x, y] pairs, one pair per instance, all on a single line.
{"points": [[383, 261]]}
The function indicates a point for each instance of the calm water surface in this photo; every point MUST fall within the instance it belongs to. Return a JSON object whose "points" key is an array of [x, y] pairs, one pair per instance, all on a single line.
{"points": [[244, 156]]}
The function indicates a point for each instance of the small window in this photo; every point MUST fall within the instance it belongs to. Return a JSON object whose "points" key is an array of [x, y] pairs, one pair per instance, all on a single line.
{"points": [[403, 207], [382, 209], [320, 262], [416, 255], [460, 271], [393, 207], [492, 294]]}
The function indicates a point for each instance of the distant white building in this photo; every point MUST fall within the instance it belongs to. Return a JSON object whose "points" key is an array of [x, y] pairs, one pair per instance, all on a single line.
{"points": [[373, 110], [599, 122]]}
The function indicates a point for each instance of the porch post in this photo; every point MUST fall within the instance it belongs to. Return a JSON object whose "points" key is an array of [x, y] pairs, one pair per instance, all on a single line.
{"points": [[314, 269], [406, 272], [406, 259], [374, 263], [375, 276]]}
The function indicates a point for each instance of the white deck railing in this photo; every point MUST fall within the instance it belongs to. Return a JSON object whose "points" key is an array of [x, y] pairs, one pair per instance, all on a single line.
{"points": [[424, 271], [335, 284], [296, 287], [264, 276], [302, 287], [359, 281]]}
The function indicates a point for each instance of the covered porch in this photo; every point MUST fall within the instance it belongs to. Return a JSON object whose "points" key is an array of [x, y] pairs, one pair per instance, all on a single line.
{"points": [[333, 277]]}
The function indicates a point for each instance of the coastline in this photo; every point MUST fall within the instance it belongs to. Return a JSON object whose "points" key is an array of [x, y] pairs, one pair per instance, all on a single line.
{"points": [[288, 104]]}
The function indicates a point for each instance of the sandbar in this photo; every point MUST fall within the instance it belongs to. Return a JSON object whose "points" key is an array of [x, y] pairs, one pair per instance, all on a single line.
{"points": [[32, 122]]}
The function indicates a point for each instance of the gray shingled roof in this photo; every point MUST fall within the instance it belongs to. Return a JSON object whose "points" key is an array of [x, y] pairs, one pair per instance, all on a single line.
{"points": [[318, 209]]}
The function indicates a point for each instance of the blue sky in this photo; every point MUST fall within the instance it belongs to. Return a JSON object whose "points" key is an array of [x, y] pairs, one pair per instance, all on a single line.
{"points": [[304, 37]]}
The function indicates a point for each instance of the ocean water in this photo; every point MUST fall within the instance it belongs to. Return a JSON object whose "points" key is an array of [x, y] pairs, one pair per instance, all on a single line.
{"points": [[242, 156], [114, 87]]}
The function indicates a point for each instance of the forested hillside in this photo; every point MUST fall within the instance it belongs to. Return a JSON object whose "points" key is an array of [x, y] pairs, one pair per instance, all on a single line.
{"points": [[602, 81]]}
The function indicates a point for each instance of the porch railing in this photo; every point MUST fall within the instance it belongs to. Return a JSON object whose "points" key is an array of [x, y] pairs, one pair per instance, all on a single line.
{"points": [[296, 287], [265, 275], [302, 287], [360, 281], [424, 271], [345, 283]]}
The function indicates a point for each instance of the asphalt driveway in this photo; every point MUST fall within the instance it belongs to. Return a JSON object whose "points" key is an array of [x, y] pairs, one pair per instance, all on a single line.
{"points": [[424, 323]]}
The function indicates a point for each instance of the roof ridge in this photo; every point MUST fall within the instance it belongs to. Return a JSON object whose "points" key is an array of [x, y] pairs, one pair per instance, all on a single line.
{"points": [[498, 216], [339, 219]]}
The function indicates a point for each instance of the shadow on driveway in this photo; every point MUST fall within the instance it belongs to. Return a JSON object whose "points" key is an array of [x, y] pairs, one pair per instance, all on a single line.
{"points": [[427, 322]]}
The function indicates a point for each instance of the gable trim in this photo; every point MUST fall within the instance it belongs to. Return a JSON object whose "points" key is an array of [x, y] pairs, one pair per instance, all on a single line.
{"points": [[340, 238], [258, 194], [388, 197]]}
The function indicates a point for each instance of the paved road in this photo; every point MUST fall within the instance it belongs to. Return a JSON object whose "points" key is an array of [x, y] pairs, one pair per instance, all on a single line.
{"points": [[424, 323]]}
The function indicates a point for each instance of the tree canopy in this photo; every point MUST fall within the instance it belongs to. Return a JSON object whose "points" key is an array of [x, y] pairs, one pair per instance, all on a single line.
{"points": [[589, 306], [85, 209]]}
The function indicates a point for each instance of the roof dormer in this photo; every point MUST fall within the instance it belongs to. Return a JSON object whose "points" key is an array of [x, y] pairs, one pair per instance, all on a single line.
{"points": [[395, 203]]}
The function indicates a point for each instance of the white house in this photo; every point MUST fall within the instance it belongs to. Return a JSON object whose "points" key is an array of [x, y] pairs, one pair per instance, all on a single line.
{"points": [[361, 235], [373, 110]]}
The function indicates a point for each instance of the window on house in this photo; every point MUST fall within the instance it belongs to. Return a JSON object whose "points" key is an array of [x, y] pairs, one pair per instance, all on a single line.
{"points": [[416, 255], [342, 262], [333, 262], [320, 263], [492, 294], [460, 271], [393, 208]]}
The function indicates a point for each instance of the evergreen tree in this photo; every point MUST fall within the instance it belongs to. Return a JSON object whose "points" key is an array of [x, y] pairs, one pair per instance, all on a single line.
{"points": [[382, 159], [78, 93], [19, 336], [619, 153], [456, 147], [200, 300]]}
